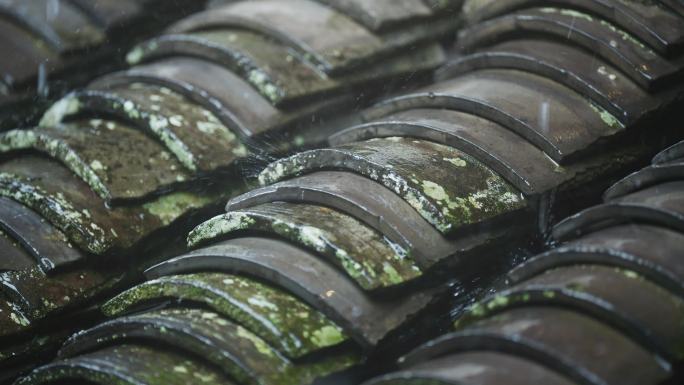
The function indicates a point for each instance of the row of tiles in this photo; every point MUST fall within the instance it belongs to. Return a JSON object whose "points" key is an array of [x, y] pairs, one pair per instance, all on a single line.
{"points": [[602, 307], [51, 38], [334, 230], [115, 170]]}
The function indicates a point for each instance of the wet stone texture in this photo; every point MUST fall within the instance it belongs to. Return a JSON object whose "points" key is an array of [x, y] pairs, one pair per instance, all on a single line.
{"points": [[672, 154], [363, 199], [522, 164], [487, 368], [653, 315], [382, 14], [549, 115], [32, 236], [38, 296], [197, 70], [329, 40], [275, 316], [611, 43], [661, 205], [645, 178], [14, 256], [65, 201], [15, 354], [621, 298], [364, 254], [239, 353], [191, 133], [578, 346], [110, 13], [365, 319], [183, 113], [68, 29], [128, 365], [627, 246], [666, 197], [449, 188], [258, 60], [571, 66], [29, 53], [328, 48], [116, 161], [59, 44], [603, 307], [12, 319], [647, 20]]}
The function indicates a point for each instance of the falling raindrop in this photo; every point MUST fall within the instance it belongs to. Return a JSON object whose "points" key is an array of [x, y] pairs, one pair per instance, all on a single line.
{"points": [[544, 116], [52, 9], [571, 28], [42, 81]]}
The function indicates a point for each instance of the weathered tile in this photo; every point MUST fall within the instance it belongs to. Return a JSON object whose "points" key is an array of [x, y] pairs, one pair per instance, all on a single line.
{"points": [[61, 25], [484, 368], [364, 199], [270, 67], [118, 162], [287, 324], [628, 246], [241, 355], [623, 299], [365, 319], [449, 188], [571, 66], [579, 347], [508, 154], [231, 99], [609, 42], [48, 247], [330, 40], [190, 132], [649, 21], [67, 203], [128, 365], [364, 254], [551, 116]]}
